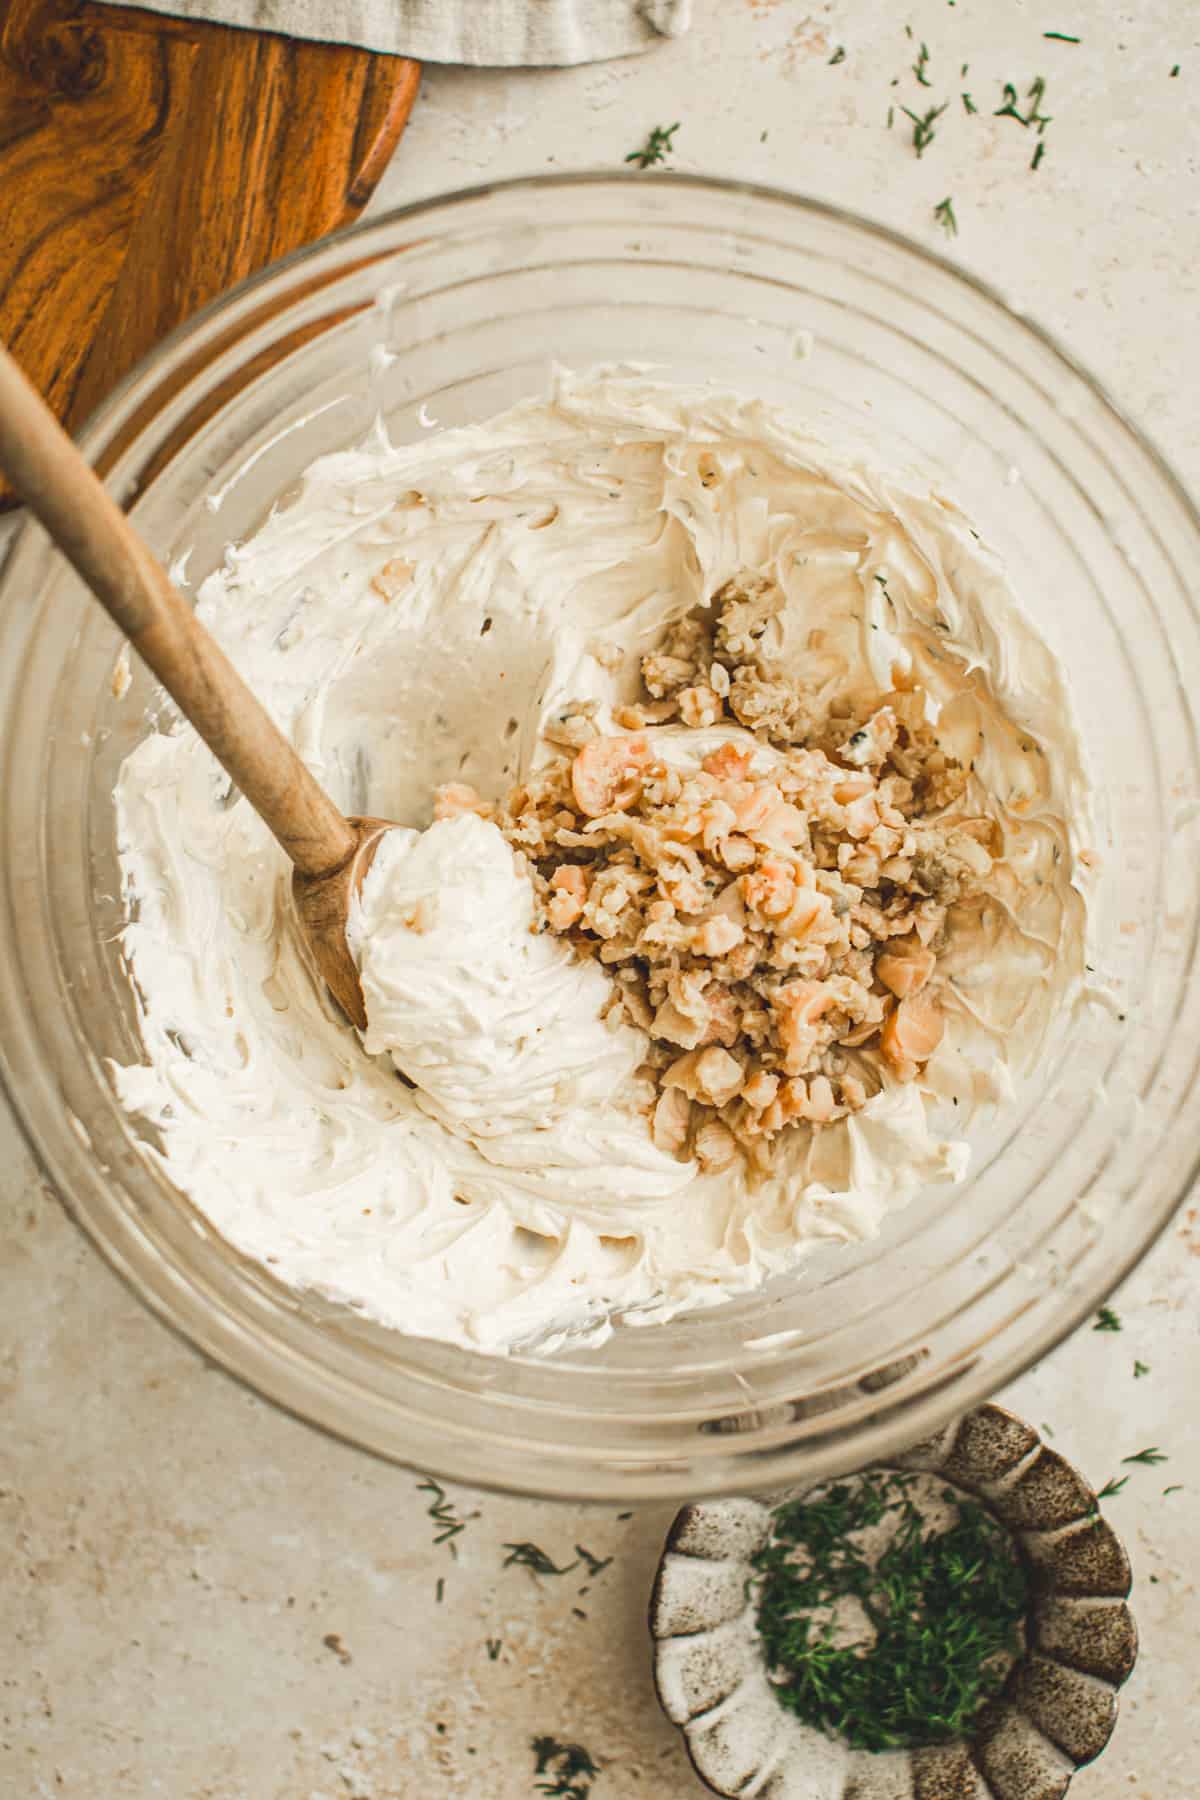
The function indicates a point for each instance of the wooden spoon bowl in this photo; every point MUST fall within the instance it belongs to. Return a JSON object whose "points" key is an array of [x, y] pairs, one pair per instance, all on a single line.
{"points": [[323, 905]]}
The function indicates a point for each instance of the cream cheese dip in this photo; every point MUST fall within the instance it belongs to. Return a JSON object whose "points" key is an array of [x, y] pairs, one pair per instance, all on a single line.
{"points": [[414, 617]]}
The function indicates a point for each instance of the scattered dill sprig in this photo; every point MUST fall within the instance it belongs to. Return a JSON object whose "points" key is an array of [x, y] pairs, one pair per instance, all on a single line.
{"points": [[923, 123], [921, 64], [891, 117], [657, 147], [839, 55], [969, 105], [1140, 1369], [594, 1563], [943, 212], [943, 1604], [439, 1593], [534, 1558], [494, 1647], [1175, 1488], [1111, 1487], [625, 1515], [569, 1769], [1039, 152], [1175, 71], [1061, 37], [1107, 1320], [1011, 109], [444, 1514], [1151, 1458]]}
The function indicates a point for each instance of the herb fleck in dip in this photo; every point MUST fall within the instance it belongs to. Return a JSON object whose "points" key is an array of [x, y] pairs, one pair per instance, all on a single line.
{"points": [[890, 1608]]}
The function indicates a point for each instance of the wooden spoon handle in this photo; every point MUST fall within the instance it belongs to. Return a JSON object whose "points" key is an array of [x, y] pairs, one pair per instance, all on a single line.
{"points": [[57, 485]]}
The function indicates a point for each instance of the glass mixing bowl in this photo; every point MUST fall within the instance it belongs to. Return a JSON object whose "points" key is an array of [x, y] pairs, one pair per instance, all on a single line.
{"points": [[463, 305]]}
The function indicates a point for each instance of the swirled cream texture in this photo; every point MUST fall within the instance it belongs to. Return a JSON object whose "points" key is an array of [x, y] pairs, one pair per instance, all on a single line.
{"points": [[414, 616]]}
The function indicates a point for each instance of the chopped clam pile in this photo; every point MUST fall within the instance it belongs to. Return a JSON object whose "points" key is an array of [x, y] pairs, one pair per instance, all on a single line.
{"points": [[768, 880]]}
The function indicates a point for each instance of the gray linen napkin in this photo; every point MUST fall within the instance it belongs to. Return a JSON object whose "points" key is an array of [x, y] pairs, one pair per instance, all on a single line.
{"points": [[512, 33]]}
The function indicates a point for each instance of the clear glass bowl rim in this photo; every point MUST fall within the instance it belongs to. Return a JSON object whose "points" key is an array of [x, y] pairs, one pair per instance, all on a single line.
{"points": [[892, 1428]]}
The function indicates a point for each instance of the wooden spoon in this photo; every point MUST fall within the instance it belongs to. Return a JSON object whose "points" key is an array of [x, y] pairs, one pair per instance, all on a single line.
{"points": [[330, 853]]}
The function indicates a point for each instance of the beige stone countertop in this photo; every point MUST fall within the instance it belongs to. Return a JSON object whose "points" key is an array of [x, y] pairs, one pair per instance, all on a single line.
{"points": [[205, 1600]]}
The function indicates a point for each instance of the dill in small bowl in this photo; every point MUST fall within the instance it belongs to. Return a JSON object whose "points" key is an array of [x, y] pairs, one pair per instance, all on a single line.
{"points": [[890, 1608]]}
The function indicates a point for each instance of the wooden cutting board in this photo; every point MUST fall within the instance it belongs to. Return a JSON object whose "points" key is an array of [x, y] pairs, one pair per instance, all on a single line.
{"points": [[148, 163]]}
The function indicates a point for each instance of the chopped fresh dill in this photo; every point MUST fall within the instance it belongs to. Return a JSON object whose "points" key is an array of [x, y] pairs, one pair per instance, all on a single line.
{"points": [[440, 1590], [969, 105], [534, 1558], [1047, 1429], [920, 66], [444, 1514], [1111, 1487], [569, 1769], [963, 70], [839, 55], [579, 1612], [1061, 37], [1039, 152], [923, 132], [657, 147], [1175, 1488], [594, 1563], [1011, 109], [1175, 71], [1107, 1320], [941, 1604], [891, 116], [494, 1647], [943, 212], [1140, 1369], [1150, 1457], [625, 1515]]}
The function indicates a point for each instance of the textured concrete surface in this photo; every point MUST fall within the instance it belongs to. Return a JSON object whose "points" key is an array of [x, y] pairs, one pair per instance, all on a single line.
{"points": [[204, 1600]]}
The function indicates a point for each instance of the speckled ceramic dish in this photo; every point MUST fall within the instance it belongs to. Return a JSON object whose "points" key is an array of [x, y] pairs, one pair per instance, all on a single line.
{"points": [[1058, 1706]]}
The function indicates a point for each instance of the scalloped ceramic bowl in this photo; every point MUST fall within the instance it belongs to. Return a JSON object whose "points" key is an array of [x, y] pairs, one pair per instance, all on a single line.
{"points": [[1058, 1706]]}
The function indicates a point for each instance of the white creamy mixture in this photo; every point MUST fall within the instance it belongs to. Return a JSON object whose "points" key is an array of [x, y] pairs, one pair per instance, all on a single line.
{"points": [[512, 1192]]}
